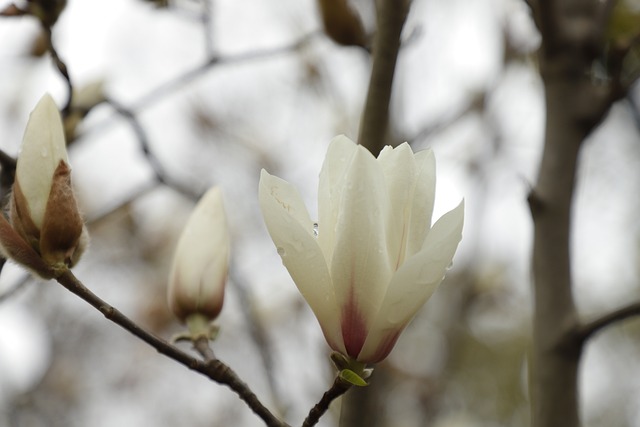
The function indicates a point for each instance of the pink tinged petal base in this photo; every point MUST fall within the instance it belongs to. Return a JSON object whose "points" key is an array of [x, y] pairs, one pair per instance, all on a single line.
{"points": [[385, 345], [354, 327]]}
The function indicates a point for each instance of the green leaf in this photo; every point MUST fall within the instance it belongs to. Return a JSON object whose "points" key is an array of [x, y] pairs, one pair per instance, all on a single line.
{"points": [[352, 378]]}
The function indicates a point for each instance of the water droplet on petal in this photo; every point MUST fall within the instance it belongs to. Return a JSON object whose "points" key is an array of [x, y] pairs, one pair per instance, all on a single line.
{"points": [[281, 251], [315, 229]]}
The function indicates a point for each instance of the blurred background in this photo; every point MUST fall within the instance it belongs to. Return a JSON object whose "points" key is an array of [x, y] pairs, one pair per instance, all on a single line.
{"points": [[208, 92]]}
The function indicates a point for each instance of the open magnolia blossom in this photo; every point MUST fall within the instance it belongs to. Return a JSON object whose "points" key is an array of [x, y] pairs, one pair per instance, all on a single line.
{"points": [[47, 232], [373, 258], [201, 262]]}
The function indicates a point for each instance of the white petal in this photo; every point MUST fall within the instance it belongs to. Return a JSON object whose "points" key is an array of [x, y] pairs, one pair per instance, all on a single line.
{"points": [[423, 199], [399, 168], [43, 147], [205, 237], [417, 279], [291, 230], [360, 265], [339, 156]]}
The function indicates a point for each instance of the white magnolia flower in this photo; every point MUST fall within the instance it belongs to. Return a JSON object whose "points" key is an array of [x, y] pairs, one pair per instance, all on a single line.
{"points": [[44, 213], [201, 261], [373, 259]]}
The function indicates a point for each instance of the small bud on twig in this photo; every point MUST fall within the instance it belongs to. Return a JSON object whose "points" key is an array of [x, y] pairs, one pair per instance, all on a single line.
{"points": [[200, 265]]}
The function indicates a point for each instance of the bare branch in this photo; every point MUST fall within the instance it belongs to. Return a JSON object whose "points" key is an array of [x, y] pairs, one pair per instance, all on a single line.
{"points": [[180, 81], [375, 118], [338, 388], [589, 329], [61, 66], [138, 192], [160, 174], [207, 26], [176, 83], [258, 333], [201, 345], [211, 368]]}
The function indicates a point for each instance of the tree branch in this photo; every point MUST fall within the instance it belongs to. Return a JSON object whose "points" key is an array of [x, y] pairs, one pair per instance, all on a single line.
{"points": [[206, 18], [212, 368], [159, 171], [338, 388], [589, 329], [60, 65], [375, 117], [258, 333], [174, 84]]}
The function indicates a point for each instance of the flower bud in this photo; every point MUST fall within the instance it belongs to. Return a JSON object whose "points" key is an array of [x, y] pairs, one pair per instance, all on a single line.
{"points": [[44, 213], [201, 260]]}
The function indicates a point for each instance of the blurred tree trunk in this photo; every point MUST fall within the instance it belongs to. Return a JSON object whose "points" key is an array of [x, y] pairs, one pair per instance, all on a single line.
{"points": [[576, 102]]}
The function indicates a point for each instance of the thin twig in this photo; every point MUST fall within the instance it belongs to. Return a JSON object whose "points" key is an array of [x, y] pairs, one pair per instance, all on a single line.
{"points": [[201, 345], [338, 388], [207, 26], [213, 369], [61, 66], [176, 83], [258, 333], [138, 192], [427, 132], [589, 329], [160, 174]]}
